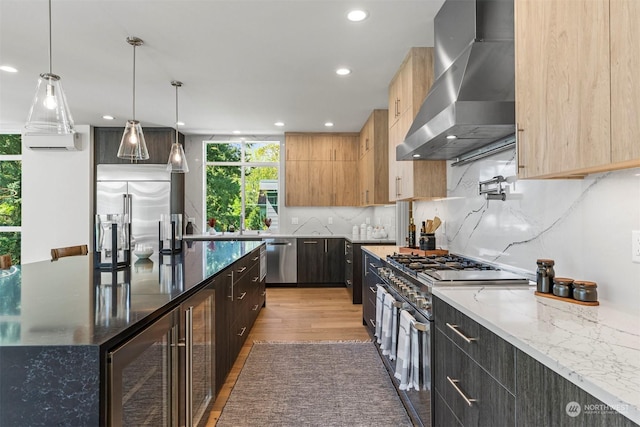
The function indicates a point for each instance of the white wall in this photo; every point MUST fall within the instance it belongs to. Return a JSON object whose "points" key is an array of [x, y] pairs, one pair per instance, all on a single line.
{"points": [[584, 225], [57, 198]]}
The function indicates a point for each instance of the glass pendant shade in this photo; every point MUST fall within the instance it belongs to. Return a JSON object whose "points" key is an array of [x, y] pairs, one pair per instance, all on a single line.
{"points": [[177, 161], [49, 113], [133, 145]]}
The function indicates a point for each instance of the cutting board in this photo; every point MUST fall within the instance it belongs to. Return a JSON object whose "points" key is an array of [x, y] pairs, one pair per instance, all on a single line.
{"points": [[406, 250]]}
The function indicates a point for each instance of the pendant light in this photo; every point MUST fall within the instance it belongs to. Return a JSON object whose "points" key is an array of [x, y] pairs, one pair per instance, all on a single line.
{"points": [[49, 113], [132, 146], [177, 161]]}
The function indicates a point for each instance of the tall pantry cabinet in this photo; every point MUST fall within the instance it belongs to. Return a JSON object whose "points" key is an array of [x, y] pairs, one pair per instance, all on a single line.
{"points": [[577, 98], [407, 91]]}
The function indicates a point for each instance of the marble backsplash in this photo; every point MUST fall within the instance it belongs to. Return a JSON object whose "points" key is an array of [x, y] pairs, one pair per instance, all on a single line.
{"points": [[584, 225]]}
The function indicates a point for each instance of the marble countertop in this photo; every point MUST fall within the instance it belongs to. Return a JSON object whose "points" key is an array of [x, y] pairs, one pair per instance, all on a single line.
{"points": [[596, 348], [68, 302], [263, 236]]}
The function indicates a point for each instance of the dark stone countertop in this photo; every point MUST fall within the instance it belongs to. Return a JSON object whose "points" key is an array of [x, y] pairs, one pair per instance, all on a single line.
{"points": [[69, 303]]}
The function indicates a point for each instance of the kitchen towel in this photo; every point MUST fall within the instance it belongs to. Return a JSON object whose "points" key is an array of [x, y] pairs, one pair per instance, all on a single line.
{"points": [[419, 377], [394, 333], [403, 364], [380, 293], [387, 324]]}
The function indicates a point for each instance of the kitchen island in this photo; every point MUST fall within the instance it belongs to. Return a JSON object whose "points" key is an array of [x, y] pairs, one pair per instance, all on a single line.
{"points": [[58, 320], [596, 349]]}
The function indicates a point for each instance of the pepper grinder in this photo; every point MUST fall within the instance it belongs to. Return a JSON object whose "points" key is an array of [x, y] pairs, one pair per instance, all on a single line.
{"points": [[545, 275]]}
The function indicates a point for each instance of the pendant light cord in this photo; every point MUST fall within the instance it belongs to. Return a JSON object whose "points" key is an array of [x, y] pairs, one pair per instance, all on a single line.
{"points": [[50, 50], [177, 113], [134, 82]]}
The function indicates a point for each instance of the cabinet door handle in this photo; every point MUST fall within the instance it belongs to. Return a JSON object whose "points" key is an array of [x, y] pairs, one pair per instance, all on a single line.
{"points": [[373, 322], [372, 289], [454, 328], [454, 383], [242, 331], [372, 265], [264, 293], [242, 269], [256, 307], [326, 244], [398, 107], [518, 162], [310, 242], [348, 261], [188, 327], [242, 295]]}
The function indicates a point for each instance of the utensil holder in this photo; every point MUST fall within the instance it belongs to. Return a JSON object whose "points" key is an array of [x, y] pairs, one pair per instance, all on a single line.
{"points": [[427, 241]]}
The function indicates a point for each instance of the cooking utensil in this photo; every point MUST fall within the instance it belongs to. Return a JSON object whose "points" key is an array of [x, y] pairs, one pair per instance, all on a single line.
{"points": [[436, 223], [429, 225]]}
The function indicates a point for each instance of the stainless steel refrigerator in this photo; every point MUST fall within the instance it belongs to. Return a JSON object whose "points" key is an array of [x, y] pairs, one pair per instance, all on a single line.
{"points": [[142, 190]]}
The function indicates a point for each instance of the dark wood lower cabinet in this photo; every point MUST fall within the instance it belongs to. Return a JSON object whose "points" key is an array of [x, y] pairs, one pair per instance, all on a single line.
{"points": [[320, 261], [370, 279], [503, 385], [547, 399], [240, 294]]}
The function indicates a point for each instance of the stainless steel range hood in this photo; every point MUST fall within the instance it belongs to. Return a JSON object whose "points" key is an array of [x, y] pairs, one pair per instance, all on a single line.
{"points": [[472, 101]]}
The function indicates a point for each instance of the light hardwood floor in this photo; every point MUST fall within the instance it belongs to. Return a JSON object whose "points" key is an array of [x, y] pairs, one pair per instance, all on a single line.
{"points": [[298, 314]]}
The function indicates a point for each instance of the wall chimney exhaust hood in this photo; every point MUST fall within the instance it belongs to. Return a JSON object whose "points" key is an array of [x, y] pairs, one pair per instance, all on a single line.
{"points": [[472, 101]]}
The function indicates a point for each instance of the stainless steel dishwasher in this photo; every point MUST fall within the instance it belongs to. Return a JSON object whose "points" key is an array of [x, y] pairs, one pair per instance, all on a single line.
{"points": [[282, 262]]}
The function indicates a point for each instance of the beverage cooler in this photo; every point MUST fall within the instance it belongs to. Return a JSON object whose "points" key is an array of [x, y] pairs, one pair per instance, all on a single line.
{"points": [[164, 376]]}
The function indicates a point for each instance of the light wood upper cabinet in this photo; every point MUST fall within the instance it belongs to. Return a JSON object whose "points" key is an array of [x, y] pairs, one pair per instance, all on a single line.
{"points": [[422, 179], [625, 88], [321, 169], [576, 101], [374, 164]]}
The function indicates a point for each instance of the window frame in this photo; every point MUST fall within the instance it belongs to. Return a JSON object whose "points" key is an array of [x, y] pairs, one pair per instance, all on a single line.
{"points": [[242, 164]]}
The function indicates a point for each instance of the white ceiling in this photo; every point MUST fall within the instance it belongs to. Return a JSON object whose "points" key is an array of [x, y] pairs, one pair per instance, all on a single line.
{"points": [[244, 64]]}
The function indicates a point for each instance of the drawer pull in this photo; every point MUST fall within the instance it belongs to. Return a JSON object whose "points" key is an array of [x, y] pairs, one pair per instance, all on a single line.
{"points": [[373, 265], [374, 290], [454, 328], [242, 296], [242, 331], [454, 383], [242, 269], [264, 293], [255, 258], [373, 322], [256, 307], [310, 242], [255, 279]]}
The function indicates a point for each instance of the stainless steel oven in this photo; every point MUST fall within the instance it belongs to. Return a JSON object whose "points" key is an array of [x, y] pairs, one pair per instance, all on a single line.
{"points": [[409, 279]]}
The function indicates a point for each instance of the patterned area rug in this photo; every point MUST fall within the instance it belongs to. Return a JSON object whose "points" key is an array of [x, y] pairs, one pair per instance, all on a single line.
{"points": [[314, 384]]}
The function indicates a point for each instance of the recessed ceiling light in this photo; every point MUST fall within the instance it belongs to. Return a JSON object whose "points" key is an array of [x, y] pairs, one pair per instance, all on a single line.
{"points": [[279, 124], [343, 71], [107, 117], [237, 132], [415, 156], [8, 69], [180, 123], [329, 124], [451, 137], [357, 15]]}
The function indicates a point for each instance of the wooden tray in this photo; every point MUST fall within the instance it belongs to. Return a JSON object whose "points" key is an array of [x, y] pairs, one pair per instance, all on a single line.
{"points": [[571, 300], [406, 250]]}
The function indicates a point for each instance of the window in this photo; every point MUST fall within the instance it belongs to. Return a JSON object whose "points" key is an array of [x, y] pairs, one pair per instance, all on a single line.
{"points": [[242, 182], [10, 195]]}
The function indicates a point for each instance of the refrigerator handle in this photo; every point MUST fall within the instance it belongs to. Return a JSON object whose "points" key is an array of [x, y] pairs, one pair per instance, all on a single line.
{"points": [[127, 205]]}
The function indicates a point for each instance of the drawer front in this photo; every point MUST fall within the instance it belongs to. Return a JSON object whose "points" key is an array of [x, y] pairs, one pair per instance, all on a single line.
{"points": [[489, 350], [473, 395]]}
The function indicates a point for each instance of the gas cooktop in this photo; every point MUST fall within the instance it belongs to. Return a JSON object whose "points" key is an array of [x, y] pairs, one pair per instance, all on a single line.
{"points": [[453, 269]]}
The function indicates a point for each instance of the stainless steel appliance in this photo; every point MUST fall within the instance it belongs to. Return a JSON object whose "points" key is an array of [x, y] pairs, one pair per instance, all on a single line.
{"points": [[282, 261], [410, 280], [471, 104], [142, 191]]}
